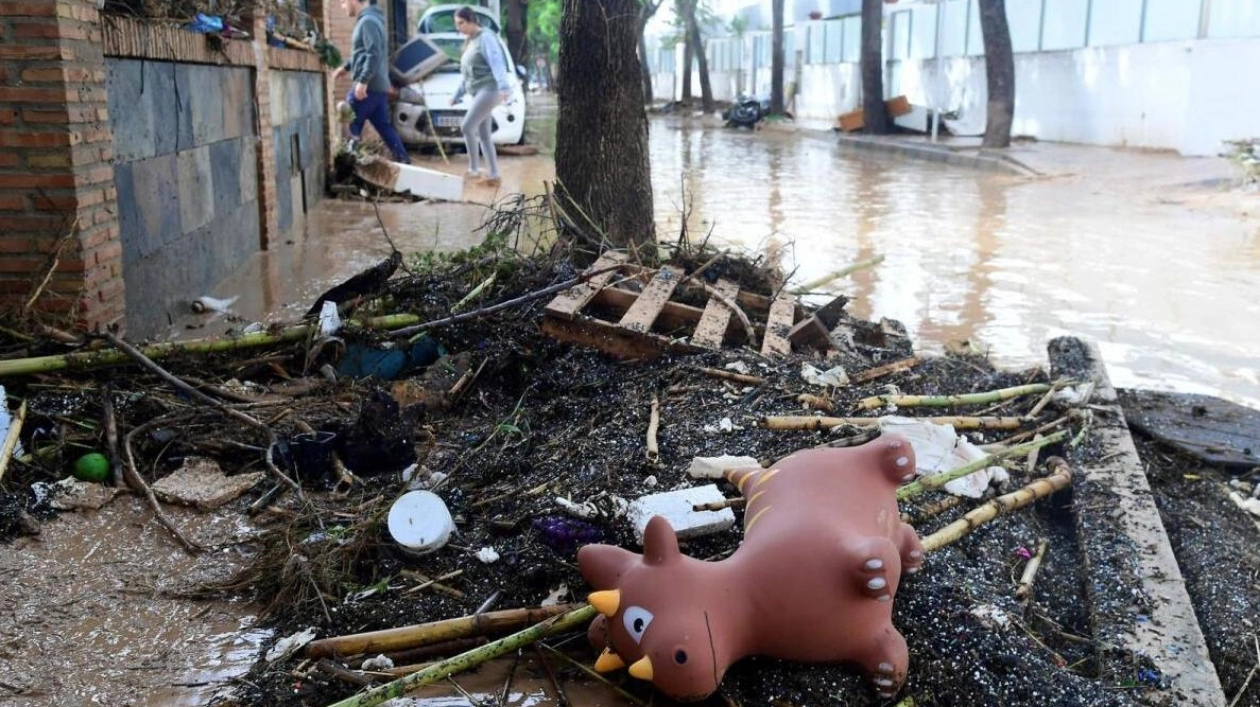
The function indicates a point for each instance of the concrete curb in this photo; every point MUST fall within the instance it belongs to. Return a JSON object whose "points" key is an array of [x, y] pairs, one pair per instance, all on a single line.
{"points": [[1125, 546], [981, 160]]}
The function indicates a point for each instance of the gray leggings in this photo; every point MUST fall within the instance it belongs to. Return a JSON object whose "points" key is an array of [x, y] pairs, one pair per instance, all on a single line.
{"points": [[476, 129]]}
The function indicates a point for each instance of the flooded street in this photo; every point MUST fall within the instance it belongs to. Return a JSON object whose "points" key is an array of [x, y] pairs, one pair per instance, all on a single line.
{"points": [[1116, 246]]}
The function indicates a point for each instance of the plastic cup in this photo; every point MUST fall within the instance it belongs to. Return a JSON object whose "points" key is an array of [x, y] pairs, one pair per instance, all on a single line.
{"points": [[420, 522]]}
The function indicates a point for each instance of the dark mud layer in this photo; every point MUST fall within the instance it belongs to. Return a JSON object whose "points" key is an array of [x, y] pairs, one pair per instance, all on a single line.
{"points": [[543, 421], [1218, 549]]}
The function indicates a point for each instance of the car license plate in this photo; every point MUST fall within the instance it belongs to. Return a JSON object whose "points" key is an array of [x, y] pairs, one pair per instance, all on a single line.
{"points": [[449, 121]]}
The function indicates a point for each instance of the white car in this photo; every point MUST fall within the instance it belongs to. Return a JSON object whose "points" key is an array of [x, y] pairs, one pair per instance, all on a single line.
{"points": [[423, 112]]}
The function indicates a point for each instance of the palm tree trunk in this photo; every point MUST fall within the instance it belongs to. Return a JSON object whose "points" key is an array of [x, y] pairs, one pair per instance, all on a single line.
{"points": [[695, 40], [874, 113], [776, 58], [999, 69]]}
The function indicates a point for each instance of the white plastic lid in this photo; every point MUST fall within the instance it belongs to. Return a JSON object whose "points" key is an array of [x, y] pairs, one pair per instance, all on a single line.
{"points": [[419, 521]]}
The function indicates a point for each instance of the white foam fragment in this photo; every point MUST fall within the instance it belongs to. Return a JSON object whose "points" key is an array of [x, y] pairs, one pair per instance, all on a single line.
{"points": [[678, 507]]}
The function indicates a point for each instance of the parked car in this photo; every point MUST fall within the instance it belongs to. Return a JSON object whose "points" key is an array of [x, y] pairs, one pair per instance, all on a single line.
{"points": [[423, 112]]}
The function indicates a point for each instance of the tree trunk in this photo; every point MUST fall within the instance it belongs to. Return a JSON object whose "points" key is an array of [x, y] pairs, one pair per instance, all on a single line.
{"points": [[688, 60], [518, 36], [602, 129], [874, 113], [695, 40], [999, 68], [776, 58]]}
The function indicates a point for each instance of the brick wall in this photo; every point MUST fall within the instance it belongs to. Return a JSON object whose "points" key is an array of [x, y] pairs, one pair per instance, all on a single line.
{"points": [[197, 160], [56, 182]]}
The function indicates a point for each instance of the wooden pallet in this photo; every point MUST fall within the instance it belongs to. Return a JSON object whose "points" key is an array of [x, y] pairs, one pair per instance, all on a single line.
{"points": [[631, 312]]}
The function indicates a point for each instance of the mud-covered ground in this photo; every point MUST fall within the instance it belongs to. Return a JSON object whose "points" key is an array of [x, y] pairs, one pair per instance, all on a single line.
{"points": [[536, 420], [1218, 550]]}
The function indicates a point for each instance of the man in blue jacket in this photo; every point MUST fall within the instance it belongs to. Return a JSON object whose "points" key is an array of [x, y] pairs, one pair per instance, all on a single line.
{"points": [[369, 69]]}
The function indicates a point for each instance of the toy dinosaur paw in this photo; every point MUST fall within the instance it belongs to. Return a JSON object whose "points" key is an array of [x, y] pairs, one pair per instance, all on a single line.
{"points": [[885, 681]]}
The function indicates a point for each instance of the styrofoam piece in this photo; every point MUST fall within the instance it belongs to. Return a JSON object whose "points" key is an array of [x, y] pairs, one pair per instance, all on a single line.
{"points": [[678, 507], [420, 522], [428, 183], [919, 119], [712, 467]]}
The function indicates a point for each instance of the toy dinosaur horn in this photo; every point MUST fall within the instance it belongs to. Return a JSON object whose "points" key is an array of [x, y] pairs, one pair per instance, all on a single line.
{"points": [[660, 544], [606, 602], [608, 662], [642, 669]]}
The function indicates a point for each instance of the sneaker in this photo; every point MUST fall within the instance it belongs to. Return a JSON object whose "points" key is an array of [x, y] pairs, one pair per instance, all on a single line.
{"points": [[473, 174], [491, 181]]}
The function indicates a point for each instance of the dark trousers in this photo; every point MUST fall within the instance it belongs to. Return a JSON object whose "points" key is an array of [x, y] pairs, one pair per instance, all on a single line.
{"points": [[375, 110]]}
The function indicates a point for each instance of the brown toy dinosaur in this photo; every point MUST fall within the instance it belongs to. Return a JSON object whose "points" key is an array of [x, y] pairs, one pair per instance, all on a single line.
{"points": [[823, 551]]}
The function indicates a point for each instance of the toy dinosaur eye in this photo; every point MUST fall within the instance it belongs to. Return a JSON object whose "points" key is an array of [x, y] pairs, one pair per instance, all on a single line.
{"points": [[680, 657], [637, 619]]}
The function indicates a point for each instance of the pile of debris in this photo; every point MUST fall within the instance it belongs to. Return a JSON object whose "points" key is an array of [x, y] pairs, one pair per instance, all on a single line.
{"points": [[438, 445]]}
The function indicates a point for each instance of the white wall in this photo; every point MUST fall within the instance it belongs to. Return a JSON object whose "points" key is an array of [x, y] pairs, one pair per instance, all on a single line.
{"points": [[1223, 102]]}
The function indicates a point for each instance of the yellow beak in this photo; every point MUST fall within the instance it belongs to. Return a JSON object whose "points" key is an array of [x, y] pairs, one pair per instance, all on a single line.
{"points": [[642, 669], [606, 602], [608, 662]]}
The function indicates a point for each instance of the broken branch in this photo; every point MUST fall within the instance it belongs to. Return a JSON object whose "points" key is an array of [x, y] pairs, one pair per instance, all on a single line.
{"points": [[1060, 478], [137, 484], [993, 396], [887, 369], [731, 375], [1024, 590], [805, 422], [394, 639], [506, 304], [477, 656], [654, 422], [192, 392], [837, 274]]}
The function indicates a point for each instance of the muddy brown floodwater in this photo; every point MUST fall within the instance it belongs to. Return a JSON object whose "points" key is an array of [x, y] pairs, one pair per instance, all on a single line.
{"points": [[1133, 250]]}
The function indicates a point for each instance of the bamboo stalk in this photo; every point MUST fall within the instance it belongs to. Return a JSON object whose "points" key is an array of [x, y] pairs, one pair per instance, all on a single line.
{"points": [[394, 639], [1059, 479], [1024, 590], [731, 375], [806, 422], [477, 656], [472, 295], [928, 483], [932, 510], [887, 369], [11, 439], [992, 396], [719, 505], [816, 402], [837, 274], [102, 358], [654, 423]]}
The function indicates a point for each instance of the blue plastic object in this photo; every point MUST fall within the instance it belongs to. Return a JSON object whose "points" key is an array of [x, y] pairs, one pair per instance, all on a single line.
{"points": [[363, 360]]}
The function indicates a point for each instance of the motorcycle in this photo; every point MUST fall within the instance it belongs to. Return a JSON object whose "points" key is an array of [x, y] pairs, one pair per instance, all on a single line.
{"points": [[746, 112]]}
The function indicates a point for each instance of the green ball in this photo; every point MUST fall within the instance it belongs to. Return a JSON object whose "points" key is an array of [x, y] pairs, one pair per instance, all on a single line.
{"points": [[93, 466]]}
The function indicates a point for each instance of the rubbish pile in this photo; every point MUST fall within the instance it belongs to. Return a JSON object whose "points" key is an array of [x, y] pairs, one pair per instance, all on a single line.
{"points": [[441, 456]]}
